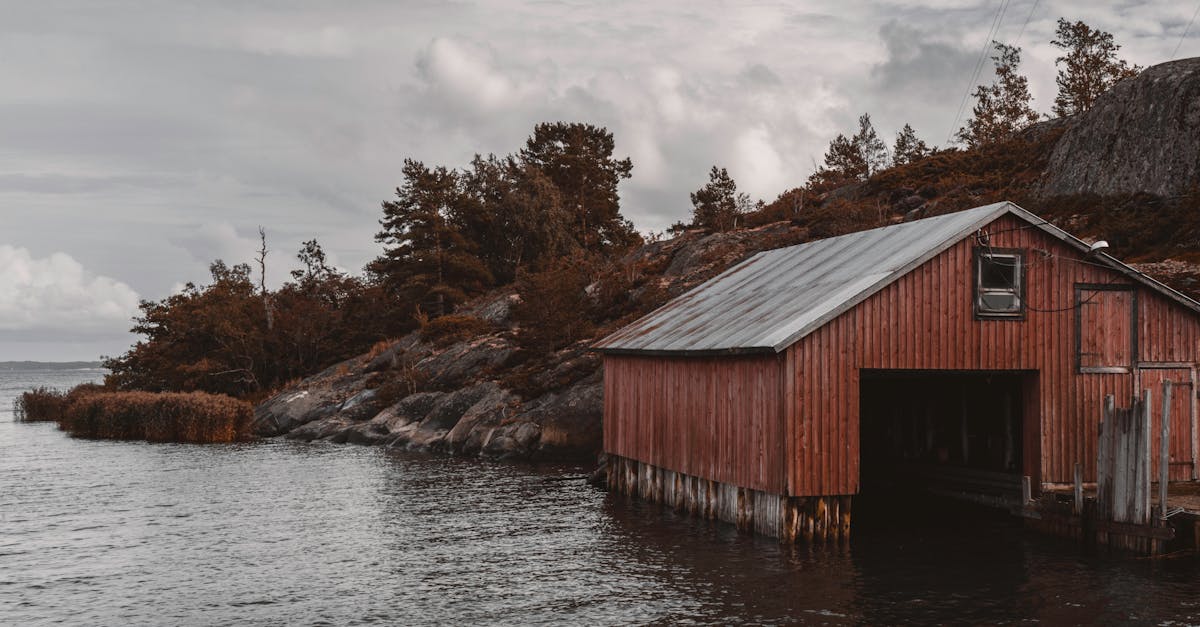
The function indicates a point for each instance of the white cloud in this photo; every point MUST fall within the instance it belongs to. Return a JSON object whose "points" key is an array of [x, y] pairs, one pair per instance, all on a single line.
{"points": [[57, 293], [759, 166], [467, 75], [147, 145]]}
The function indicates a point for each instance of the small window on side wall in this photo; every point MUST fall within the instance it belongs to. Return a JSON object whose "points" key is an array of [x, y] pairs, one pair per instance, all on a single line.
{"points": [[999, 283]]}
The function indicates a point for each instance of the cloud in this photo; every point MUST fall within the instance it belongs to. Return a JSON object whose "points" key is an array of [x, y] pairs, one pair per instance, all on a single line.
{"points": [[466, 75], [210, 241], [57, 294], [146, 145]]}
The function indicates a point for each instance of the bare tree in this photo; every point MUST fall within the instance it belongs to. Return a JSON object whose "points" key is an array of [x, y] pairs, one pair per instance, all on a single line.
{"points": [[262, 278]]}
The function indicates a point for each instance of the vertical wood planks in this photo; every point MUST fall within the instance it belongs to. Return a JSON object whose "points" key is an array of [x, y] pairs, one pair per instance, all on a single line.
{"points": [[789, 424]]}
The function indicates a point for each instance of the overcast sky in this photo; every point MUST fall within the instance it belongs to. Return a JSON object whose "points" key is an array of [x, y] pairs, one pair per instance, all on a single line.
{"points": [[141, 140]]}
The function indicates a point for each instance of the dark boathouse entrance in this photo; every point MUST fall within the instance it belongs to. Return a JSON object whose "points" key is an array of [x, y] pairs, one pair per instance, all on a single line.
{"points": [[962, 434]]}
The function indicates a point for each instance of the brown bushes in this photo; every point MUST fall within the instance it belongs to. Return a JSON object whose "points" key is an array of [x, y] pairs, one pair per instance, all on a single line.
{"points": [[41, 404], [156, 417], [453, 328]]}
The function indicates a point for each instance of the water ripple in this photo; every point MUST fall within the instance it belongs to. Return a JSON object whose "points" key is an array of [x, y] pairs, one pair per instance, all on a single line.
{"points": [[125, 533]]}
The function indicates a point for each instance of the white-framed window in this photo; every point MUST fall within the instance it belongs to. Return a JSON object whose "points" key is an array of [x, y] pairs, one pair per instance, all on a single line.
{"points": [[999, 283]]}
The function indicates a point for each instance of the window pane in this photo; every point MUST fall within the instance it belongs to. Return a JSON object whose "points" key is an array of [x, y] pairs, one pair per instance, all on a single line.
{"points": [[999, 302], [998, 272]]}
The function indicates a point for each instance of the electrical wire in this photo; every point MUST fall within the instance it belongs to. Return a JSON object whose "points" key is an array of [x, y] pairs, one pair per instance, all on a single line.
{"points": [[1185, 31], [987, 42], [1027, 18]]}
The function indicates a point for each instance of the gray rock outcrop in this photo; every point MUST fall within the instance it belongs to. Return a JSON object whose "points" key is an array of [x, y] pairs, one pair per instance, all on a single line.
{"points": [[1143, 135]]}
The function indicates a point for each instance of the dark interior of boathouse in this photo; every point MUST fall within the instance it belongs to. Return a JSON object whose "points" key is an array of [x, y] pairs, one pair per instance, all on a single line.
{"points": [[954, 434]]}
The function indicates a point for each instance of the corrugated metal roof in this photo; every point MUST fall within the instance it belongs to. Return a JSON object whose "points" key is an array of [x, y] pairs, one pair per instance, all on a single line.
{"points": [[771, 300]]}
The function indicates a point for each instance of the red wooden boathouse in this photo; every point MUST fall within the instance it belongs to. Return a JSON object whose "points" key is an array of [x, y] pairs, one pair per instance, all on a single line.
{"points": [[967, 351]]}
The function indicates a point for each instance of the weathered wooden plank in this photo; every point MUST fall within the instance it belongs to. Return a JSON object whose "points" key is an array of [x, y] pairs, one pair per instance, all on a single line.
{"points": [[1164, 474]]}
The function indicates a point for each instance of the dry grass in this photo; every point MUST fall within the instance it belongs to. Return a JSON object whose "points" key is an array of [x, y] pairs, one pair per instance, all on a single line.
{"points": [[157, 417], [453, 328], [41, 404], [379, 347]]}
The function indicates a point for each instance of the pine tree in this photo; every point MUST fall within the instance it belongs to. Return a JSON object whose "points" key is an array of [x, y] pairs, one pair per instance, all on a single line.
{"points": [[718, 205], [908, 147], [514, 215], [427, 261], [578, 160], [1002, 108], [1091, 66], [852, 159], [867, 142]]}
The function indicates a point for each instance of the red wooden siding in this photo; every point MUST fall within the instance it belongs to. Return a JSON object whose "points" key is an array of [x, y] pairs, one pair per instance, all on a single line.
{"points": [[925, 320], [1167, 333], [1181, 441], [717, 418], [791, 422], [1106, 328]]}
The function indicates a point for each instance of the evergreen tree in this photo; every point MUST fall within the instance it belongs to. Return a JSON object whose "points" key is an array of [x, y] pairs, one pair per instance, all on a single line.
{"points": [[1091, 66], [514, 215], [578, 160], [852, 159], [843, 163], [718, 205], [866, 141], [1002, 108], [427, 261], [908, 147]]}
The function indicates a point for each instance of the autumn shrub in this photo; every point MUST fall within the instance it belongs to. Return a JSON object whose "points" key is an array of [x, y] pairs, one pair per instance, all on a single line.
{"points": [[555, 307], [450, 329], [378, 348], [41, 404], [157, 417]]}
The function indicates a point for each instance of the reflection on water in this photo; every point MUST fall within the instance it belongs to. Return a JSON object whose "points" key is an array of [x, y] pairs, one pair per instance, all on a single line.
{"points": [[280, 532]]}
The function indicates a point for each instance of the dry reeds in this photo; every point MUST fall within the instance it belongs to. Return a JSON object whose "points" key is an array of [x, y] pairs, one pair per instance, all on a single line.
{"points": [[41, 404], [156, 417]]}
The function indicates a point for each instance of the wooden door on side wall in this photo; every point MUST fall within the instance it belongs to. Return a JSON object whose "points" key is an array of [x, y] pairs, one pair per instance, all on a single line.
{"points": [[1105, 328], [1183, 421]]}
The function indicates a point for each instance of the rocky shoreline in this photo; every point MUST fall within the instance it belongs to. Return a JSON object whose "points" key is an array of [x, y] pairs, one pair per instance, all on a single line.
{"points": [[460, 411]]}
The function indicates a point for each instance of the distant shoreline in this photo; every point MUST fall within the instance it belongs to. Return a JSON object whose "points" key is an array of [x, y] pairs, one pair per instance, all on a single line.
{"points": [[50, 365]]}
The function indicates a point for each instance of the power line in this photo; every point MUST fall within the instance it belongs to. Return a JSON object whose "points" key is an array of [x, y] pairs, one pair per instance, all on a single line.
{"points": [[1185, 32], [1027, 18], [974, 73], [987, 42]]}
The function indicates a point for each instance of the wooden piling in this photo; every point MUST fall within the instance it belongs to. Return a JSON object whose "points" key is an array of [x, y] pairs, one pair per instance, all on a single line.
{"points": [[817, 519], [1077, 502]]}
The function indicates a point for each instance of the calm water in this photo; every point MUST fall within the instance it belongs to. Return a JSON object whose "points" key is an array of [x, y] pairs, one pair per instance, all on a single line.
{"points": [[116, 533]]}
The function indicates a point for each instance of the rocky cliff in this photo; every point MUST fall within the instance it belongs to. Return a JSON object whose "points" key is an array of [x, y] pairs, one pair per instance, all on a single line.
{"points": [[1143, 135]]}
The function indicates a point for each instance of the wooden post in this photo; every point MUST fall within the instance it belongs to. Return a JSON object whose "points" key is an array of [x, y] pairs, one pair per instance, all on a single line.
{"points": [[1164, 450], [1143, 504], [1026, 490], [1078, 489], [1104, 454]]}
